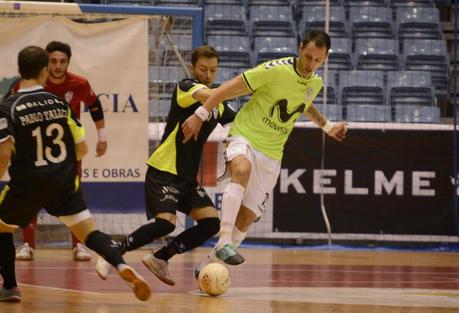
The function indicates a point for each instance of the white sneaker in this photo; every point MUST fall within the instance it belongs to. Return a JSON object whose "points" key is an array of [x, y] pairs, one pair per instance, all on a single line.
{"points": [[24, 252], [138, 284], [80, 253], [103, 268], [159, 268]]}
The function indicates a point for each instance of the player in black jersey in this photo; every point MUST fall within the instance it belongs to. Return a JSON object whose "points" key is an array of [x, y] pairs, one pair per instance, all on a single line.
{"points": [[170, 183], [43, 140]]}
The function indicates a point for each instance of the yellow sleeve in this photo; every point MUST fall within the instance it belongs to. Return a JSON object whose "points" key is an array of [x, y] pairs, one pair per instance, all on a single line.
{"points": [[75, 126], [185, 90]]}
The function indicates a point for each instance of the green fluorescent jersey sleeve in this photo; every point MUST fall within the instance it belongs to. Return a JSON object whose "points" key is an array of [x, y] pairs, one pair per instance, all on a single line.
{"points": [[76, 128], [280, 95], [185, 91]]}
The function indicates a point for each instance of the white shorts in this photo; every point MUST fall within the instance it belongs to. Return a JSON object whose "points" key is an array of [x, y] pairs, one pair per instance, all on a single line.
{"points": [[263, 175]]}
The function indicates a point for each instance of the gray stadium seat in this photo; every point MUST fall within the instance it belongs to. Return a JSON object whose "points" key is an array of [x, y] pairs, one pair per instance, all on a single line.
{"points": [[339, 57], [268, 48], [225, 19], [418, 23], [234, 51], [371, 22], [376, 54], [365, 3], [362, 95], [272, 21], [430, 56], [417, 114], [314, 18], [410, 88], [412, 3]]}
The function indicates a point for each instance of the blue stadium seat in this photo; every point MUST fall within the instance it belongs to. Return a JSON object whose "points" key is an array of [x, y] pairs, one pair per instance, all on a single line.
{"points": [[225, 19], [365, 3], [236, 2], [224, 74], [339, 57], [409, 88], [234, 51], [412, 3], [430, 56], [165, 78], [176, 3], [268, 2], [272, 21], [159, 110], [333, 112], [417, 114], [314, 18], [418, 23], [362, 95], [371, 22], [376, 54], [268, 48]]}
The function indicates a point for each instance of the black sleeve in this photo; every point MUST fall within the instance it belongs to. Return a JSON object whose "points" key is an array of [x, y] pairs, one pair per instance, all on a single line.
{"points": [[188, 83], [229, 114]]}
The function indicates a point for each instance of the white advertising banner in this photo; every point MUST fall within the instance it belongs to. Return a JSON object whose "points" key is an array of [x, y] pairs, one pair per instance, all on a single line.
{"points": [[113, 57]]}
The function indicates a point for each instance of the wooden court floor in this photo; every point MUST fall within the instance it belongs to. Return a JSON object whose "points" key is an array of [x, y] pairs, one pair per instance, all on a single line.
{"points": [[271, 281]]}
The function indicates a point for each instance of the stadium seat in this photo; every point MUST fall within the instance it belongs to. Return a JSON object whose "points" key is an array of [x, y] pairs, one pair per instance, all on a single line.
{"points": [[417, 114], [225, 19], [418, 23], [376, 54], [176, 3], [412, 3], [340, 57], [365, 3], [313, 17], [409, 88], [371, 22], [430, 56], [362, 95], [268, 48], [234, 51], [268, 2], [272, 21]]}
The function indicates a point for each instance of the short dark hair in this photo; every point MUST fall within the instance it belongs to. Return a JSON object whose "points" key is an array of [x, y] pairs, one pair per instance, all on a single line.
{"points": [[59, 46], [203, 51], [319, 37], [31, 60]]}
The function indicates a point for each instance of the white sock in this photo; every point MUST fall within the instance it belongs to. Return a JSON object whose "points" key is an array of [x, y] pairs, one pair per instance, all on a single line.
{"points": [[231, 202], [238, 236]]}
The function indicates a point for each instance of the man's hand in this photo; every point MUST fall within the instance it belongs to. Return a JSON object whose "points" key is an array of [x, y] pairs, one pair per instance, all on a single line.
{"points": [[191, 128], [101, 148], [338, 132]]}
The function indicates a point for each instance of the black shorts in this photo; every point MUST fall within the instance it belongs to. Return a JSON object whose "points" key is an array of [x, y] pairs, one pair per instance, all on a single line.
{"points": [[166, 192], [19, 206]]}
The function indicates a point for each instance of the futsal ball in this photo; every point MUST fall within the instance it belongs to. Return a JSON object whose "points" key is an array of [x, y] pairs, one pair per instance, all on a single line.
{"points": [[214, 279]]}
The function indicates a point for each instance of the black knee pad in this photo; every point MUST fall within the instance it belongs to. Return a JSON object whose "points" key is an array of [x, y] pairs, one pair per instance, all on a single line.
{"points": [[163, 227], [209, 226]]}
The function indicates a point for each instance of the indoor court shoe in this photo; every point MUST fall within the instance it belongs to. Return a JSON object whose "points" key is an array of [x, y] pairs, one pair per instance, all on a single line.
{"points": [[159, 268], [138, 284], [80, 253], [229, 255], [10, 295], [24, 252], [103, 268]]}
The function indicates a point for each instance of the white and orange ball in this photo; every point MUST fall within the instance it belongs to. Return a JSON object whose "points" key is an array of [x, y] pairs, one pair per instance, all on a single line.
{"points": [[214, 279]]}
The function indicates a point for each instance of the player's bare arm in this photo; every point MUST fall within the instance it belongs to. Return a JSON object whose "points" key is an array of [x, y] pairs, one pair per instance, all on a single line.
{"points": [[6, 149], [101, 146], [229, 90], [336, 130]]}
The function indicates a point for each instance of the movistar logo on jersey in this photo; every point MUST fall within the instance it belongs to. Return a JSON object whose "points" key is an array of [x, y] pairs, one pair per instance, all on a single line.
{"points": [[282, 113], [280, 107]]}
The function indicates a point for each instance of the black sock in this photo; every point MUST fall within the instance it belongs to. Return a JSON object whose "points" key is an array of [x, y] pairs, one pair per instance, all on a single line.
{"points": [[147, 233], [7, 259], [189, 239], [106, 247]]}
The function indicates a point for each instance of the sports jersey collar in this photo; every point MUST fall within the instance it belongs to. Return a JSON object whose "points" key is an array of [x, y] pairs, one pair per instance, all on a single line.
{"points": [[33, 88]]}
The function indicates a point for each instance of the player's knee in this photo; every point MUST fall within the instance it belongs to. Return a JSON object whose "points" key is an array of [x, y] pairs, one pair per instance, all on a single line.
{"points": [[164, 227], [209, 226], [240, 171]]}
